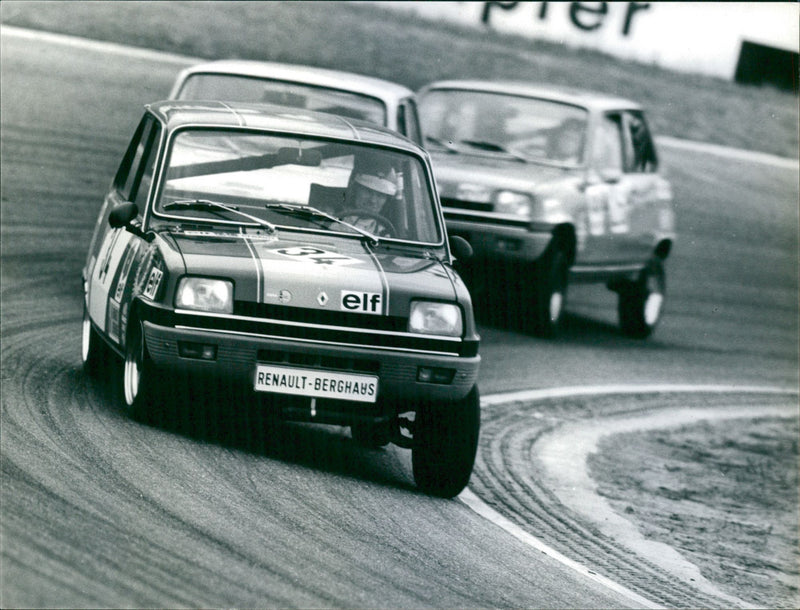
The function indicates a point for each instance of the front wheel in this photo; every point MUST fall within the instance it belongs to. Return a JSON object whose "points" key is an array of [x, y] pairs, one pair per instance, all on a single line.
{"points": [[549, 292], [94, 354], [139, 384], [641, 302], [445, 444]]}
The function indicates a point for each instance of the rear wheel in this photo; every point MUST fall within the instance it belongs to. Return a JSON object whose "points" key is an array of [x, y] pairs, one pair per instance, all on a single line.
{"points": [[139, 383], [641, 301], [445, 443], [549, 292]]}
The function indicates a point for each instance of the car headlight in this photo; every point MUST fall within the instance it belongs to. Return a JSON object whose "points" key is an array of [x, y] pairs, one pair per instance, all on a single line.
{"points": [[205, 294], [509, 202], [435, 319]]}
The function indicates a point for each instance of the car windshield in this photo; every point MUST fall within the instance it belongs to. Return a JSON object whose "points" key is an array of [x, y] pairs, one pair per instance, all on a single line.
{"points": [[239, 177], [235, 88], [526, 128]]}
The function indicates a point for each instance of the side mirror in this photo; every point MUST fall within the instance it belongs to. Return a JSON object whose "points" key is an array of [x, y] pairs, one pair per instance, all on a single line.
{"points": [[460, 247], [121, 215]]}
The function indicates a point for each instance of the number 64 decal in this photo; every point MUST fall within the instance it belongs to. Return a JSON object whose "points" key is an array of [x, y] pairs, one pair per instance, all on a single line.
{"points": [[316, 256]]}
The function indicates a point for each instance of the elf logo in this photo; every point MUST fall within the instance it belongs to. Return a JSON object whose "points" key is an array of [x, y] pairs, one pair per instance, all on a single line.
{"points": [[364, 302]]}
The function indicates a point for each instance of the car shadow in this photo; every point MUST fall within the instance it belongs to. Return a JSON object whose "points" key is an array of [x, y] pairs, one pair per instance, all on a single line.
{"points": [[501, 303], [216, 412], [513, 315]]}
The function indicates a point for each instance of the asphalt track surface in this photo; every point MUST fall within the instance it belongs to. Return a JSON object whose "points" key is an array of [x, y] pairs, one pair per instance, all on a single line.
{"points": [[205, 510]]}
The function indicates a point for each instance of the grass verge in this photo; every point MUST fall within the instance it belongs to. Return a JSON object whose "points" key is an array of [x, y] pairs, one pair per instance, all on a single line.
{"points": [[724, 494]]}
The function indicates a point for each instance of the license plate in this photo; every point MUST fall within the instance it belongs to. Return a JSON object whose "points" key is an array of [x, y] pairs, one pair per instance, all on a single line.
{"points": [[317, 384]]}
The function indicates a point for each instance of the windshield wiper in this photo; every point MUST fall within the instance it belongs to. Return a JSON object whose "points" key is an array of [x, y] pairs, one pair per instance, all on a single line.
{"points": [[308, 210], [208, 205], [443, 143], [494, 147]]}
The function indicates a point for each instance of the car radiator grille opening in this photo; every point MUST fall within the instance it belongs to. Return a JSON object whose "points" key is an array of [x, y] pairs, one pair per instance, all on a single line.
{"points": [[466, 205], [336, 363]]}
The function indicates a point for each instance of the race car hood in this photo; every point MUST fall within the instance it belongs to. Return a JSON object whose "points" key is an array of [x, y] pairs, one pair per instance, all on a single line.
{"points": [[326, 272], [467, 176]]}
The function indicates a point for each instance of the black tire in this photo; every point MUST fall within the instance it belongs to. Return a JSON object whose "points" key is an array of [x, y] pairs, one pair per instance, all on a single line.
{"points": [[369, 434], [140, 388], [94, 352], [641, 302], [549, 293], [445, 444]]}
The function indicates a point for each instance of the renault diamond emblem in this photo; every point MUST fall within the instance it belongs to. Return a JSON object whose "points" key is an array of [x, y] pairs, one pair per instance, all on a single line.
{"points": [[322, 299]]}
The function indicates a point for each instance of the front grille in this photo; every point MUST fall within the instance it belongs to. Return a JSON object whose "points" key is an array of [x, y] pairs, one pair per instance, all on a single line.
{"points": [[466, 205], [470, 211], [329, 363]]}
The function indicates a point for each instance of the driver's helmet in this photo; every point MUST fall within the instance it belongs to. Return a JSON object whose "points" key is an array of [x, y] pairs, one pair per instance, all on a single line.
{"points": [[385, 184]]}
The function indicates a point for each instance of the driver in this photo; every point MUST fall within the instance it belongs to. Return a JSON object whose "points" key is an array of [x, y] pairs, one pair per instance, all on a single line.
{"points": [[372, 191], [567, 144], [367, 197]]}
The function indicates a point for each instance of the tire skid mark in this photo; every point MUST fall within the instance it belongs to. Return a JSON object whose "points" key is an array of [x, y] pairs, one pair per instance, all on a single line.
{"points": [[50, 421], [52, 436]]}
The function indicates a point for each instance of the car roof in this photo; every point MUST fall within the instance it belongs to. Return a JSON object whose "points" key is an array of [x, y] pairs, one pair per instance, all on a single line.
{"points": [[176, 114], [321, 77], [588, 99]]}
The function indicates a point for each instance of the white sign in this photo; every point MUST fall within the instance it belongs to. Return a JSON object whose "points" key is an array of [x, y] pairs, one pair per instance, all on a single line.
{"points": [[315, 383]]}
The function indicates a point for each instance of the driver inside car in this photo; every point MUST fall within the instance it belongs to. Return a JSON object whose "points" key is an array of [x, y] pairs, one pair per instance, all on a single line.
{"points": [[367, 197]]}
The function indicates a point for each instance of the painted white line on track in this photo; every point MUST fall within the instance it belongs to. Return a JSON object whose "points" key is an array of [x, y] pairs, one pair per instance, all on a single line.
{"points": [[487, 512], [162, 56], [593, 390], [729, 152]]}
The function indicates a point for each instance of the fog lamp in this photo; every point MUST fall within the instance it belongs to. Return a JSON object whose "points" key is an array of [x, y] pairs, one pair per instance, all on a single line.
{"points": [[197, 351], [427, 374]]}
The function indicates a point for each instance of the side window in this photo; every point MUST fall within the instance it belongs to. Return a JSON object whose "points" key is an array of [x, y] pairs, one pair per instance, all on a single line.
{"points": [[640, 154], [129, 174], [148, 166], [607, 147]]}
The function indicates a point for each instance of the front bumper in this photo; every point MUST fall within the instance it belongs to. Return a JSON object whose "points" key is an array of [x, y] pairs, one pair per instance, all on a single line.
{"points": [[510, 241], [240, 348]]}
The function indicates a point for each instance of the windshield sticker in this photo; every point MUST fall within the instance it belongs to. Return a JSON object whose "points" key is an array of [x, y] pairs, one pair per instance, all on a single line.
{"points": [[316, 256], [222, 235], [153, 282]]}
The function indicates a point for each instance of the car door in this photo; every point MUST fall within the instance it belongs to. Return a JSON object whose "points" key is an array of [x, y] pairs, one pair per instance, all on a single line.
{"points": [[646, 193], [622, 196], [600, 227], [115, 254]]}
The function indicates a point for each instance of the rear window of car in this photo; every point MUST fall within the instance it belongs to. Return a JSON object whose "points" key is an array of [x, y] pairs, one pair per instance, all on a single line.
{"points": [[235, 88]]}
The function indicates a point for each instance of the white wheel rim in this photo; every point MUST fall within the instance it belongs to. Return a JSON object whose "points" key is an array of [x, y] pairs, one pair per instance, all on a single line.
{"points": [[652, 308], [556, 302], [131, 377], [86, 336]]}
